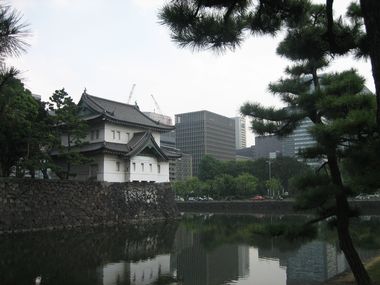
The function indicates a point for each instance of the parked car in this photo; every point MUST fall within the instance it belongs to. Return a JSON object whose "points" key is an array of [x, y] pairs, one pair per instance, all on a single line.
{"points": [[257, 198], [362, 196]]}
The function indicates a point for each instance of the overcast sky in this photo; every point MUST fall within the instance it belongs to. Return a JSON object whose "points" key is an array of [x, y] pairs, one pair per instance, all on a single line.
{"points": [[107, 46]]}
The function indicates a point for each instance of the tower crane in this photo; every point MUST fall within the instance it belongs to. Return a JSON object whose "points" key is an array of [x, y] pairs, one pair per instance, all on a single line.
{"points": [[131, 93], [156, 104]]}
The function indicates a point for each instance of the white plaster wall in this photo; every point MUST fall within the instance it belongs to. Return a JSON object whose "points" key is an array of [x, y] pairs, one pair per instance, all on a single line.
{"points": [[101, 129], [111, 173], [108, 136], [146, 174], [107, 169]]}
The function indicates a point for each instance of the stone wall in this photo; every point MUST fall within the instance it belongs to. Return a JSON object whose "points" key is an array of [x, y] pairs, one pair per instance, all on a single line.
{"points": [[28, 204]]}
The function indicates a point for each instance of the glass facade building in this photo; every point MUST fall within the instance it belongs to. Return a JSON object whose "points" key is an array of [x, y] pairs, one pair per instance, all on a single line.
{"points": [[205, 133]]}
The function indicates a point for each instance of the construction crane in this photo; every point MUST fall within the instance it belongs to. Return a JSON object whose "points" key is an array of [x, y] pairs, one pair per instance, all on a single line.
{"points": [[131, 93], [156, 104]]}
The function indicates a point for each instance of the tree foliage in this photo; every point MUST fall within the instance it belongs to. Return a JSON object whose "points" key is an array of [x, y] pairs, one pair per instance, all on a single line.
{"points": [[70, 130], [224, 24], [219, 187], [343, 118], [12, 32], [18, 113], [282, 168]]}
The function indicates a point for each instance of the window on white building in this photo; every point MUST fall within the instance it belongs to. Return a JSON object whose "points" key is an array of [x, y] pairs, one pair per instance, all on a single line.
{"points": [[150, 167], [158, 168], [97, 134], [127, 137], [134, 166], [118, 135], [113, 134], [142, 167], [117, 166]]}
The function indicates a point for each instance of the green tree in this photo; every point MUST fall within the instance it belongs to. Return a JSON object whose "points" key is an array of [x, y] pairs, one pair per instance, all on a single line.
{"points": [[191, 187], [274, 187], [223, 24], [70, 131], [12, 32], [284, 168], [246, 185], [18, 113], [342, 117], [225, 185], [209, 168], [40, 143]]}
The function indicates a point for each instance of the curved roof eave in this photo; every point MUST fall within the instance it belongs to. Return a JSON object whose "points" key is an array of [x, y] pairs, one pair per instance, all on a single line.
{"points": [[146, 140]]}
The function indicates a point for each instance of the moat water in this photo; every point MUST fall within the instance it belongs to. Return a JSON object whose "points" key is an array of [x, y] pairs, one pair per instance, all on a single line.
{"points": [[200, 249]]}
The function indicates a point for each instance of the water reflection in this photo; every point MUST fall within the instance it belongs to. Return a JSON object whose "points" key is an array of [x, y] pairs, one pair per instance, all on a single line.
{"points": [[197, 265], [200, 250]]}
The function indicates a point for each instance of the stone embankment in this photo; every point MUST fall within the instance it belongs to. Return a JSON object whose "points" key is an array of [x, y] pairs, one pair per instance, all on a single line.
{"points": [[29, 205], [265, 207]]}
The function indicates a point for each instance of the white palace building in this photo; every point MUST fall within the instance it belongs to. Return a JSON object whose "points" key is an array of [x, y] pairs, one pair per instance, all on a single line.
{"points": [[123, 143]]}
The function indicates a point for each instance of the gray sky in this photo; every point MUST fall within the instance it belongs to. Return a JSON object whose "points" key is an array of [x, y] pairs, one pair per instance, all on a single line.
{"points": [[108, 45]]}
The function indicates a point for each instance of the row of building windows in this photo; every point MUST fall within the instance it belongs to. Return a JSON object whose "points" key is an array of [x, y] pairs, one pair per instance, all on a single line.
{"points": [[116, 135], [142, 167]]}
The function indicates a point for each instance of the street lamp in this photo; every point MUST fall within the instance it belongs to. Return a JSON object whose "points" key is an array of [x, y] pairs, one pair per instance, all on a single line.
{"points": [[272, 155]]}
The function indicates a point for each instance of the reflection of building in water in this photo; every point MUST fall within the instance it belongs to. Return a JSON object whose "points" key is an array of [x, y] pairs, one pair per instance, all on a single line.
{"points": [[115, 273], [137, 273], [312, 263], [315, 262], [196, 265], [147, 271], [274, 253]]}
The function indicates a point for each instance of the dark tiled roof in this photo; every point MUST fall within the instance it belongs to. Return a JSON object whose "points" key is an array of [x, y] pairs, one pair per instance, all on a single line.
{"points": [[121, 113], [171, 152]]}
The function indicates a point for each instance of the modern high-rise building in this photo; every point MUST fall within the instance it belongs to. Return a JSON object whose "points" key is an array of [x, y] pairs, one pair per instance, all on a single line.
{"points": [[205, 133], [240, 132], [267, 144]]}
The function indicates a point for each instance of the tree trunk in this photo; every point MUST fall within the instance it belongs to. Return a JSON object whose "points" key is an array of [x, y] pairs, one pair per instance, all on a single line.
{"points": [[342, 215], [370, 9], [346, 244], [45, 173]]}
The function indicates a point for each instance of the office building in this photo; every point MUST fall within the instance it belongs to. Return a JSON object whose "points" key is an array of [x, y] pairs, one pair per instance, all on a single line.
{"points": [[205, 133], [240, 132], [267, 144], [247, 153]]}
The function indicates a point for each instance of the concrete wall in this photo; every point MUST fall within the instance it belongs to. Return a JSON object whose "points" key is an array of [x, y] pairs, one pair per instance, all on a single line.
{"points": [[46, 204]]}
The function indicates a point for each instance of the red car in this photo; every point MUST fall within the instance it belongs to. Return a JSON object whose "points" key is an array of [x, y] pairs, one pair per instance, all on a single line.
{"points": [[258, 198]]}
